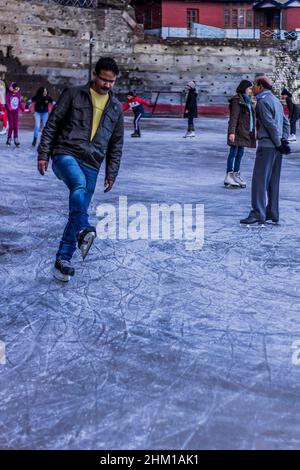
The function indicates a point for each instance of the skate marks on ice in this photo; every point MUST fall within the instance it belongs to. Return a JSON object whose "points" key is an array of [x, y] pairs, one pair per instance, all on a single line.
{"points": [[150, 346]]}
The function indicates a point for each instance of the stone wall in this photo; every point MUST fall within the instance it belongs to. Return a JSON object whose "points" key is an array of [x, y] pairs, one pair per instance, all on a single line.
{"points": [[45, 41], [53, 41]]}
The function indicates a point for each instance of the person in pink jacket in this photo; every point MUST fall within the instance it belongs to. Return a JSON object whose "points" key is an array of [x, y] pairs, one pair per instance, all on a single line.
{"points": [[13, 106]]}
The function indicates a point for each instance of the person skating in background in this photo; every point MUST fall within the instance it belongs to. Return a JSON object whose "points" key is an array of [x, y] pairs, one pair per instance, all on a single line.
{"points": [[190, 109], [241, 133], [3, 113], [13, 106], [41, 104], [272, 133], [294, 113], [135, 103]]}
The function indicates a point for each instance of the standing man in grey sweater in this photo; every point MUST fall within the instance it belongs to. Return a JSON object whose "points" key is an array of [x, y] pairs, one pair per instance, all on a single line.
{"points": [[272, 134]]}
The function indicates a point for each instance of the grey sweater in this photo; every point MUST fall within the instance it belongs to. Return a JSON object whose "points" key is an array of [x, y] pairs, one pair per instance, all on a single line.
{"points": [[272, 125]]}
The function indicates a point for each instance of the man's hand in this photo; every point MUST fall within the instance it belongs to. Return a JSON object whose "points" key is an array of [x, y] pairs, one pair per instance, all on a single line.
{"points": [[284, 148], [42, 166], [108, 184], [231, 138]]}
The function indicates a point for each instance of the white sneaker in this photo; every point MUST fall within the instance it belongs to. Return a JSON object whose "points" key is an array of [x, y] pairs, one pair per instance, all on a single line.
{"points": [[229, 181], [292, 138], [237, 177]]}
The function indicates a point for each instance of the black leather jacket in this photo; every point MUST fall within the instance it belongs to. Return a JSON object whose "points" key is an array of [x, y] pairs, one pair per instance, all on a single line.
{"points": [[69, 127]]}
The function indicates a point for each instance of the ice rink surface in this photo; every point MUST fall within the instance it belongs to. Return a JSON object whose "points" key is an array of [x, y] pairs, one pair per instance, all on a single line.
{"points": [[150, 346]]}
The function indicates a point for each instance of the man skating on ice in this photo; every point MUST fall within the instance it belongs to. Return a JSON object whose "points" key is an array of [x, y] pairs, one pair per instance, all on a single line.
{"points": [[85, 126], [135, 103], [272, 132]]}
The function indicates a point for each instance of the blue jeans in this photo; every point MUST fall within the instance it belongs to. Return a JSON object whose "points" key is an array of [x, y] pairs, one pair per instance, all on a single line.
{"points": [[38, 117], [81, 182], [234, 158]]}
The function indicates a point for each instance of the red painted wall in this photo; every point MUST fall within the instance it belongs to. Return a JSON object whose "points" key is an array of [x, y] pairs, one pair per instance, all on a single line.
{"points": [[174, 13], [293, 18]]}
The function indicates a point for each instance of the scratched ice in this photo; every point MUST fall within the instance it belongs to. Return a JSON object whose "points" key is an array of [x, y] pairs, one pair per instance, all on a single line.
{"points": [[150, 345]]}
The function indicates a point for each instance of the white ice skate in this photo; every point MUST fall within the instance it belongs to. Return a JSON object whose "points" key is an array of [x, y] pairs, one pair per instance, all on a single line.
{"points": [[4, 131], [229, 181], [237, 177], [292, 138], [189, 135]]}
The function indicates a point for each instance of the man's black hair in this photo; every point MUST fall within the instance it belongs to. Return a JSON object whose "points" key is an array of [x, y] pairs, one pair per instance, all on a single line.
{"points": [[131, 93], [107, 63]]}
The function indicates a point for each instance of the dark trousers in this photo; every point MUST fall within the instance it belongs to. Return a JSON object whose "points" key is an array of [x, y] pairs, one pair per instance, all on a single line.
{"points": [[293, 127], [136, 122], [265, 184], [191, 124], [13, 122]]}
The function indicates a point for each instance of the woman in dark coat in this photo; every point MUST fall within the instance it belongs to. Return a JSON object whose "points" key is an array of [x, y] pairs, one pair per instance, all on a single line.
{"points": [[241, 132], [190, 110], [42, 104], [294, 113]]}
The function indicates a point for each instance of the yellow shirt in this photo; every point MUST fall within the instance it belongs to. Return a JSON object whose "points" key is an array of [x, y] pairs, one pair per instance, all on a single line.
{"points": [[99, 103]]}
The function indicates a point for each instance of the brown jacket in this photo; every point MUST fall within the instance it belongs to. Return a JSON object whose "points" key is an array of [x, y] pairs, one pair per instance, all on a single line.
{"points": [[239, 122]]}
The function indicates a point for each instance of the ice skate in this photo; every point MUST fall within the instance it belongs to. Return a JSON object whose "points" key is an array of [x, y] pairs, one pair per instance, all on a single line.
{"points": [[292, 138], [230, 181], [63, 270], [34, 142], [251, 221], [85, 240], [189, 135], [237, 177], [271, 220], [17, 143], [4, 131], [8, 142], [136, 134]]}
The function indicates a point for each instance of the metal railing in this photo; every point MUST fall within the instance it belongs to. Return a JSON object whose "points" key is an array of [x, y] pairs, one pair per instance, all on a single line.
{"points": [[280, 34], [73, 3], [87, 3]]}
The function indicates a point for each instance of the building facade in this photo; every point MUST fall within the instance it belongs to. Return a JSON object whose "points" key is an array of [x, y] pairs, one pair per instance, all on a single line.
{"points": [[219, 18]]}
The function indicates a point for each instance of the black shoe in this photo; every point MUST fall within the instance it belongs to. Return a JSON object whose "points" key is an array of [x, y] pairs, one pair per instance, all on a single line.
{"points": [[17, 143], [34, 142], [250, 220], [63, 270], [8, 142], [85, 240], [136, 134]]}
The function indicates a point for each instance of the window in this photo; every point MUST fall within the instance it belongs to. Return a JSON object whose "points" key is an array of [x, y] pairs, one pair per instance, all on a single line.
{"points": [[249, 18], [241, 18], [192, 17], [238, 18], [227, 18], [234, 18]]}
